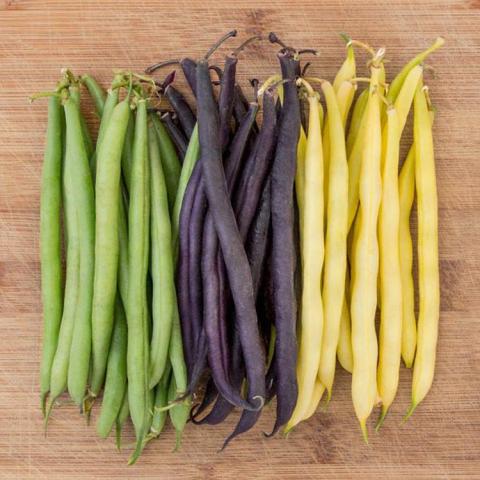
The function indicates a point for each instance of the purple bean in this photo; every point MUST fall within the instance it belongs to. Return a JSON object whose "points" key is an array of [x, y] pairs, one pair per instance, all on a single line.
{"points": [[183, 266], [283, 249]]}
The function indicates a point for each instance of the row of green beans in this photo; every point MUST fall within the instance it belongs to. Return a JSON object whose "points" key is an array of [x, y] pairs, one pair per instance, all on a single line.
{"points": [[112, 324]]}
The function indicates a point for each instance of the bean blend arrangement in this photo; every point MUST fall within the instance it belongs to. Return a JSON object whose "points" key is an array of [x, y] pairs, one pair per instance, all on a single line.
{"points": [[198, 260]]}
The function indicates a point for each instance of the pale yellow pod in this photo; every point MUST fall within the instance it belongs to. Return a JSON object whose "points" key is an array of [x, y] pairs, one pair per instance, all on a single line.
{"points": [[390, 337], [335, 240], [428, 269], [406, 187], [312, 250], [365, 261]]}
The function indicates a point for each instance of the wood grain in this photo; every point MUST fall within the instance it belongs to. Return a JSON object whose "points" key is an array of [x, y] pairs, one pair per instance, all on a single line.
{"points": [[38, 37]]}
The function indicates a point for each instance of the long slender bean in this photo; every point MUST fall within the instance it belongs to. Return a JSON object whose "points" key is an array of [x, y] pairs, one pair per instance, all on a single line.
{"points": [[312, 251], [136, 374], [50, 243], [83, 198], [428, 270], [365, 260], [335, 240], [390, 336], [107, 189], [59, 371], [162, 267], [283, 249]]}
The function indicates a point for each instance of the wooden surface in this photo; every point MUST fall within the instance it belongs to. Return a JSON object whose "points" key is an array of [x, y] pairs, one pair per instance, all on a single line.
{"points": [[38, 37]]}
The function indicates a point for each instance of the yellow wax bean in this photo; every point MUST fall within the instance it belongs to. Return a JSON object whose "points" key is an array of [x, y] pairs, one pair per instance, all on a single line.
{"points": [[406, 187], [365, 260], [390, 337], [428, 271], [312, 248], [335, 240]]}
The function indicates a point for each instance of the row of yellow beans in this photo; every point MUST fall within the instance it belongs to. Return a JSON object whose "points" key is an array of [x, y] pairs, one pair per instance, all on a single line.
{"points": [[359, 210]]}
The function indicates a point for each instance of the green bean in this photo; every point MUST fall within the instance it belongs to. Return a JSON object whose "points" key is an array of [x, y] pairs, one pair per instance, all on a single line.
{"points": [[83, 198], [127, 152], [59, 371], [96, 92], [116, 378], [106, 241], [162, 268], [136, 374], [170, 163], [191, 157], [50, 243], [121, 419], [178, 414]]}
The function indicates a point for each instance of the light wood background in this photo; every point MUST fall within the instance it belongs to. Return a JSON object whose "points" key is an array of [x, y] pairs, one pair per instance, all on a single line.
{"points": [[38, 37]]}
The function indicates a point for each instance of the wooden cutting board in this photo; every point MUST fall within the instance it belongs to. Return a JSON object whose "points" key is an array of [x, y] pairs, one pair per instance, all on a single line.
{"points": [[38, 37]]}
